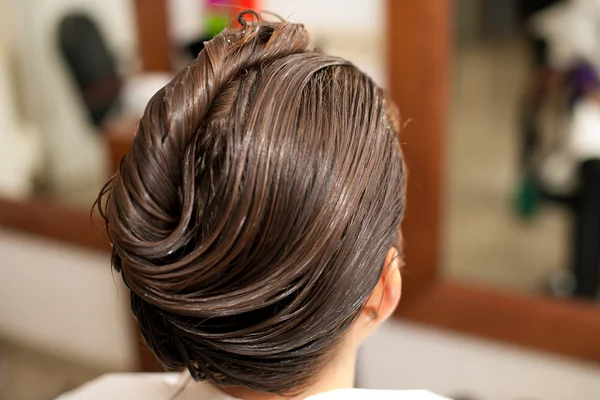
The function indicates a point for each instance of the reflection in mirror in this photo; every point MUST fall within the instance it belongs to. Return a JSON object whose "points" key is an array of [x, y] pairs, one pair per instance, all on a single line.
{"points": [[523, 192], [69, 81]]}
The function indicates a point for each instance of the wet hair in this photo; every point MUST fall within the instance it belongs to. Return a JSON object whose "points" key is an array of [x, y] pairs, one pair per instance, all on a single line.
{"points": [[253, 213]]}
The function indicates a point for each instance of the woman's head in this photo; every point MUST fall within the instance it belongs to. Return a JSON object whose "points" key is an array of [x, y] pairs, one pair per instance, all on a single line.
{"points": [[253, 215]]}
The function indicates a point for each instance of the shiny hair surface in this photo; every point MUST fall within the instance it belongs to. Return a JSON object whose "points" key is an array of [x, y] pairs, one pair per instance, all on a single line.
{"points": [[253, 213]]}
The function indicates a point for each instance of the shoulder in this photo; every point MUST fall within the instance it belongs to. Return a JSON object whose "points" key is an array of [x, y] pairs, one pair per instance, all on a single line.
{"points": [[133, 386], [371, 394]]}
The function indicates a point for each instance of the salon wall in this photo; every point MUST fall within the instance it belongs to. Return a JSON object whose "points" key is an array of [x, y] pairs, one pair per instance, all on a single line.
{"points": [[352, 29], [403, 355], [65, 301]]}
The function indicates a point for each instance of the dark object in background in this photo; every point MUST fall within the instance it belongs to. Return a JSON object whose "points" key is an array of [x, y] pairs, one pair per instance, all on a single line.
{"points": [[499, 18], [529, 7], [586, 252], [194, 48], [582, 279], [92, 65], [526, 197], [539, 47]]}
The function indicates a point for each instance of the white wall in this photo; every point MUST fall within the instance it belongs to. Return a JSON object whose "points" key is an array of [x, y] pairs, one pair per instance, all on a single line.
{"points": [[351, 29], [64, 300], [344, 15], [407, 356]]}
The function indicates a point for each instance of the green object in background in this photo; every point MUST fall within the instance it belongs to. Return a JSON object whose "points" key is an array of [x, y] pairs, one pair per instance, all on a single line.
{"points": [[216, 22], [526, 199]]}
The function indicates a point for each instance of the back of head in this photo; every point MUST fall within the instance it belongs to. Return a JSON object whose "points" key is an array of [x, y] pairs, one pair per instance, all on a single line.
{"points": [[253, 213]]}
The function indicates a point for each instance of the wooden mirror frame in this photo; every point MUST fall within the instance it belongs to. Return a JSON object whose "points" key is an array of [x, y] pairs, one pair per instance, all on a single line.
{"points": [[418, 65], [419, 43]]}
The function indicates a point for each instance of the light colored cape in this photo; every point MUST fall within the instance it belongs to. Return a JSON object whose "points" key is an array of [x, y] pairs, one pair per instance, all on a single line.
{"points": [[163, 386]]}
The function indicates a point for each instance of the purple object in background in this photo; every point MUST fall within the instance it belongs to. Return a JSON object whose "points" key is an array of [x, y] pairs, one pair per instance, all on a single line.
{"points": [[581, 79]]}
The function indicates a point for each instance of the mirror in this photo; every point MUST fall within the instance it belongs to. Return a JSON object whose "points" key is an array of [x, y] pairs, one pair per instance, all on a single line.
{"points": [[522, 206], [63, 70], [71, 86]]}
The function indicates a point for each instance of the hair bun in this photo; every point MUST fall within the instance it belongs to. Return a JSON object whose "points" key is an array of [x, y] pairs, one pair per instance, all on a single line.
{"points": [[252, 215], [171, 122], [150, 203]]}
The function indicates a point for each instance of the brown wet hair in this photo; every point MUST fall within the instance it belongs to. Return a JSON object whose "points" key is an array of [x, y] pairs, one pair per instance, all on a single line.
{"points": [[253, 213]]}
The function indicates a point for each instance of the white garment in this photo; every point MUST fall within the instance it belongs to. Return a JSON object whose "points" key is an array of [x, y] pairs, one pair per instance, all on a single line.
{"points": [[584, 138], [163, 386], [572, 30], [558, 171]]}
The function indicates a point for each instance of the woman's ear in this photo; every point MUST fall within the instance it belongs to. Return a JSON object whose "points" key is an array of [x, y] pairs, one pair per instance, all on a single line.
{"points": [[385, 296]]}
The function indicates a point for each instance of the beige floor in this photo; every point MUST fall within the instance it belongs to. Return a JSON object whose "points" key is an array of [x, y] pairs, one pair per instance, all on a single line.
{"points": [[26, 374], [485, 242]]}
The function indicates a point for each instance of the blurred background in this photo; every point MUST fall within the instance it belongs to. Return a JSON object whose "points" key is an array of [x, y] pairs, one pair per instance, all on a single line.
{"points": [[521, 177], [522, 211]]}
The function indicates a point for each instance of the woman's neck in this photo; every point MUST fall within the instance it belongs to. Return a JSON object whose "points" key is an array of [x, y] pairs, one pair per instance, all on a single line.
{"points": [[337, 375]]}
